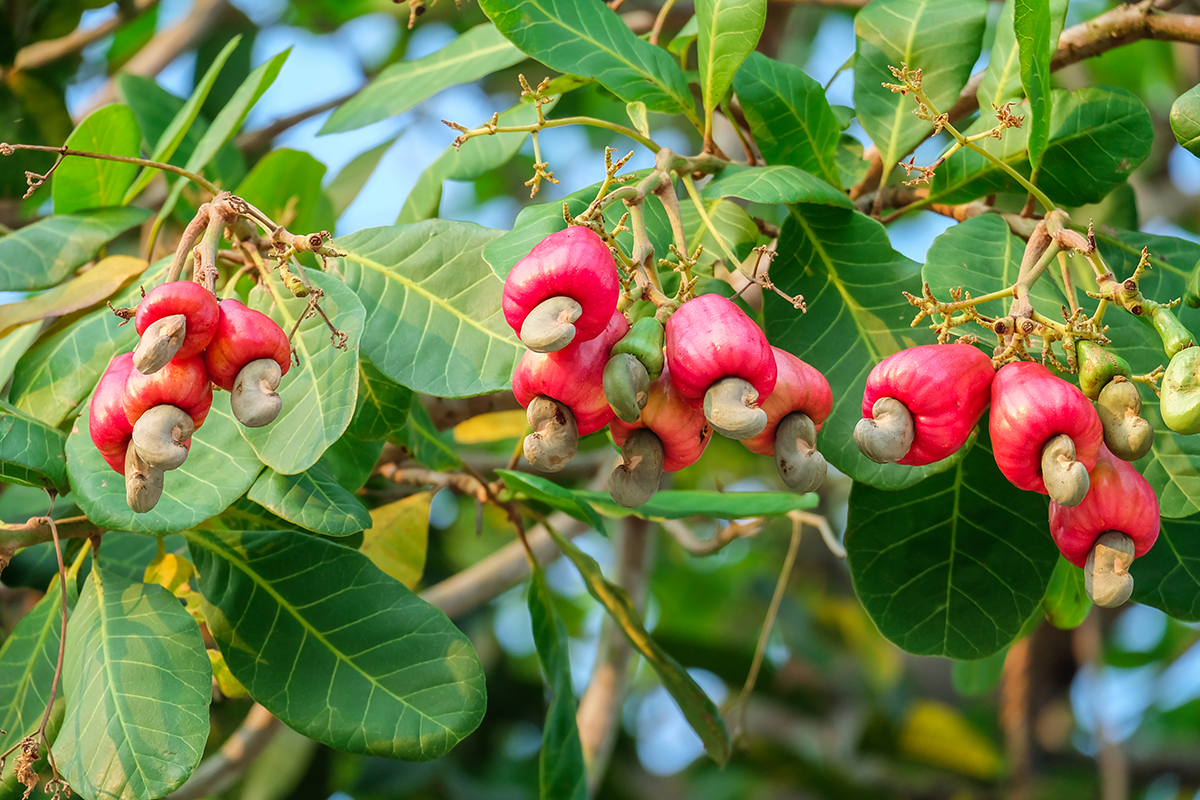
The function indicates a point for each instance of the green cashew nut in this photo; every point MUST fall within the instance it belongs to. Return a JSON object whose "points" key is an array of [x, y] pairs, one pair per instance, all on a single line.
{"points": [[1180, 406], [1097, 366], [645, 343], [1175, 337], [626, 386]]}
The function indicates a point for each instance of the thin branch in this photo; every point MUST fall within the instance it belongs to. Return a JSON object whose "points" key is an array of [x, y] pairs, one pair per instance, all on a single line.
{"points": [[683, 535], [223, 768], [8, 149], [260, 139], [39, 54]]}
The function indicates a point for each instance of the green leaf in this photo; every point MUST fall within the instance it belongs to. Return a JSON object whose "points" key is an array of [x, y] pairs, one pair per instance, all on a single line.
{"points": [[1066, 602], [398, 538], [40, 255], [311, 499], [288, 182], [585, 38], [13, 345], [562, 774], [429, 447], [475, 158], [138, 685], [96, 284], [480, 51], [31, 452], [354, 176], [81, 183], [850, 162], [27, 662], [737, 228], [791, 119], [719, 505], [1032, 27], [1168, 577], [698, 709], [636, 112], [320, 393], [1098, 136], [852, 279], [1185, 120], [728, 31], [775, 184], [942, 38], [955, 566], [536, 487], [170, 139], [383, 672], [352, 461], [980, 676], [1002, 78], [433, 306], [219, 468], [382, 405]]}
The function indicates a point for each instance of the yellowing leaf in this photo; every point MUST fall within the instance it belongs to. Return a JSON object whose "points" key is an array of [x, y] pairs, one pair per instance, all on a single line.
{"points": [[491, 427], [170, 571], [230, 686], [938, 734], [398, 536], [98, 283]]}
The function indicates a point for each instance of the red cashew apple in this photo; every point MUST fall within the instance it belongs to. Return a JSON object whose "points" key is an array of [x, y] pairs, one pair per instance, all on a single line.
{"points": [[175, 320], [796, 409], [673, 435], [565, 290], [110, 429], [182, 383], [563, 395], [717, 354], [1117, 522], [248, 356], [921, 404], [1045, 433]]}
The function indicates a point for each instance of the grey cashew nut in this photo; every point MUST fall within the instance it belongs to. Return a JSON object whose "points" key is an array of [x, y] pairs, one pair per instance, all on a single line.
{"points": [[1126, 433], [555, 436], [800, 466], [1066, 479], [143, 483], [551, 325], [887, 436], [635, 481], [253, 398], [159, 344], [159, 435], [1106, 575], [626, 386], [731, 407]]}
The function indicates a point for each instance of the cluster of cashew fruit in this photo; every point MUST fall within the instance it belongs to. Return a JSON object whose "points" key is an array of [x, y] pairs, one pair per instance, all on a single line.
{"points": [[149, 402], [661, 389], [921, 405]]}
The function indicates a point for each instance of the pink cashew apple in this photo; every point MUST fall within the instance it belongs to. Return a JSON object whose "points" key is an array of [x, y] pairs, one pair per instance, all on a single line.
{"points": [[1046, 435], [716, 354], [564, 291], [796, 409], [921, 404], [110, 429], [175, 320], [248, 357]]}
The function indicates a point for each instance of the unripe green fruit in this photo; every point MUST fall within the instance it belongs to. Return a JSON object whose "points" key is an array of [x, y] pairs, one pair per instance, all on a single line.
{"points": [[645, 343], [1097, 366], [1180, 406], [1175, 337]]}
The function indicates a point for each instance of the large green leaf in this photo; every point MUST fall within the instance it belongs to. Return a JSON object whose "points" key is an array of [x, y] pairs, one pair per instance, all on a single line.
{"points": [[480, 51], [791, 119], [81, 183], [536, 487], [1185, 120], [382, 404], [335, 648], [219, 468], [40, 255], [952, 567], [728, 31], [774, 184], [473, 159], [1036, 43], [852, 279], [433, 306], [942, 38], [31, 452], [169, 140], [318, 394], [13, 345], [1066, 602], [138, 685], [312, 499], [698, 709], [1098, 136], [583, 37], [562, 774], [719, 505], [1002, 78], [1168, 577]]}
